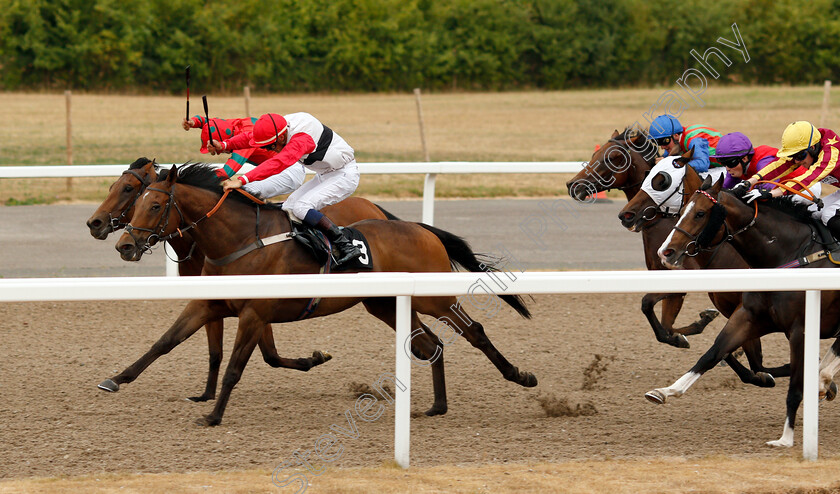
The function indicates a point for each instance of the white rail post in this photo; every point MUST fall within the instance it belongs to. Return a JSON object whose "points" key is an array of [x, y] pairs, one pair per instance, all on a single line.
{"points": [[810, 399], [171, 266], [429, 199], [402, 407]]}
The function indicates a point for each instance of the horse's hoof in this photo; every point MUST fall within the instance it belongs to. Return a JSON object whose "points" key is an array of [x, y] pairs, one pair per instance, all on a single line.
{"points": [[320, 357], [831, 393], [199, 399], [208, 421], [109, 386], [765, 380], [655, 396], [778, 443], [436, 410], [680, 341], [709, 315], [528, 380]]}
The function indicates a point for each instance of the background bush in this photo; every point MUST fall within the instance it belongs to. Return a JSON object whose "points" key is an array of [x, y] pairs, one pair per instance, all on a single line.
{"points": [[396, 45]]}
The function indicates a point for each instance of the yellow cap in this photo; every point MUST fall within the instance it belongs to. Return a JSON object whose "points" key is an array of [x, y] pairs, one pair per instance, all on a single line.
{"points": [[798, 136]]}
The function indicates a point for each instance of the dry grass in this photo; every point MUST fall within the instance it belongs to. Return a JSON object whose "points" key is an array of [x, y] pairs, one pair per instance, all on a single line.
{"points": [[661, 475], [522, 126]]}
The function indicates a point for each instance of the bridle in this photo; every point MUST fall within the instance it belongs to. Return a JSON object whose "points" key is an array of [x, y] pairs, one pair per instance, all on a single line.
{"points": [[695, 245], [650, 161], [117, 223], [157, 235]]}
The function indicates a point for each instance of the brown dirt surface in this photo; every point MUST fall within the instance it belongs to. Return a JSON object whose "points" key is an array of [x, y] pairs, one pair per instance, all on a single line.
{"points": [[56, 422]]}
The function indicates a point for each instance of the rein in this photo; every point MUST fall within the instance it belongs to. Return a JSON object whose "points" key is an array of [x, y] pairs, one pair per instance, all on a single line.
{"points": [[694, 240], [811, 197]]}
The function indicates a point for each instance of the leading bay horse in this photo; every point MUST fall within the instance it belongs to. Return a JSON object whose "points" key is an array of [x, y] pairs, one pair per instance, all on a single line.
{"points": [[666, 183], [767, 235], [116, 212], [183, 200], [622, 163]]}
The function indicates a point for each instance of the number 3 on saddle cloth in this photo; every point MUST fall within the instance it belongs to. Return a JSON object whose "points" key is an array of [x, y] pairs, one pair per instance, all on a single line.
{"points": [[320, 247]]}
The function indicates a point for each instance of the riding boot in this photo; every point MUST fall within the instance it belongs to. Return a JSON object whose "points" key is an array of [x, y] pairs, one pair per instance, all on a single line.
{"points": [[834, 226], [346, 249]]}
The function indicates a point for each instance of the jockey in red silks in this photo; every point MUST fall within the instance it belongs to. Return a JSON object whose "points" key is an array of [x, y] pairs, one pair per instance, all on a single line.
{"points": [[284, 183], [301, 138], [742, 161], [817, 150]]}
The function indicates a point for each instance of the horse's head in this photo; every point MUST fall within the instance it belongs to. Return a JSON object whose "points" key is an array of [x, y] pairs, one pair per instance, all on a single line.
{"points": [[701, 222], [116, 210], [155, 215], [660, 194], [620, 163]]}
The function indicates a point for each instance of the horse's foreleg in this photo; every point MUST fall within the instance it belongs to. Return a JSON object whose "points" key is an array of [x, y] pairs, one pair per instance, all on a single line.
{"points": [[738, 329], [750, 376], [272, 358], [248, 334], [829, 366], [196, 314], [215, 331], [794, 394], [671, 305]]}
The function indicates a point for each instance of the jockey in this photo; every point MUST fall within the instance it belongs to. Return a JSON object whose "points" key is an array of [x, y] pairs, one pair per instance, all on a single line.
{"points": [[817, 150], [670, 135], [285, 183], [301, 138], [742, 162]]}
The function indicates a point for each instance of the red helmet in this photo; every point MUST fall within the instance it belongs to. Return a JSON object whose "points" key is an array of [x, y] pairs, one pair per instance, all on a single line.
{"points": [[220, 129], [267, 129]]}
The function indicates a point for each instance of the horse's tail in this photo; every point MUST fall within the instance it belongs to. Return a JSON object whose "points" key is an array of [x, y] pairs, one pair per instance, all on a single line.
{"points": [[386, 213], [460, 254]]}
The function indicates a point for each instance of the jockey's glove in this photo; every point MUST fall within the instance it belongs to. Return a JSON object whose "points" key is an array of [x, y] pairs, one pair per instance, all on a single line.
{"points": [[754, 194], [741, 189]]}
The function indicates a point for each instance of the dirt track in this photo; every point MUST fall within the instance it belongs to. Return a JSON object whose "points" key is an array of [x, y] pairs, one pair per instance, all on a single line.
{"points": [[56, 422]]}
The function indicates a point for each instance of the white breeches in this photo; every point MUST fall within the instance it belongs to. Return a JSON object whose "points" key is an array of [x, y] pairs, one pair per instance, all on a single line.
{"points": [[324, 189], [831, 204], [289, 180]]}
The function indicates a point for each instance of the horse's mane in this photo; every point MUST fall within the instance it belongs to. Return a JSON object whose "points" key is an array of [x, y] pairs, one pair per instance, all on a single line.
{"points": [[203, 175], [143, 161], [784, 204], [633, 131]]}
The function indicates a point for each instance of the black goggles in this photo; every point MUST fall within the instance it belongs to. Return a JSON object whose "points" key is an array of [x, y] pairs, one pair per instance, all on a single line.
{"points": [[801, 155], [663, 141], [731, 161]]}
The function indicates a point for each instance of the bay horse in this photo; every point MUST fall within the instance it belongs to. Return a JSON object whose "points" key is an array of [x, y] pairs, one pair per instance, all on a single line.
{"points": [[116, 212], [622, 163], [767, 235], [182, 201], [659, 200]]}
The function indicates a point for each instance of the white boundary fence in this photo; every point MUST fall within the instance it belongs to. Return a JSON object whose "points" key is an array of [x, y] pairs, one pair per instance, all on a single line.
{"points": [[430, 169], [406, 285]]}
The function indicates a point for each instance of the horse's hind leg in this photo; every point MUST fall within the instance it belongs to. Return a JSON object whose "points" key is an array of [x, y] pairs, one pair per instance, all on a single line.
{"points": [[755, 356], [215, 330], [272, 358], [425, 345], [197, 313], [671, 305], [473, 331]]}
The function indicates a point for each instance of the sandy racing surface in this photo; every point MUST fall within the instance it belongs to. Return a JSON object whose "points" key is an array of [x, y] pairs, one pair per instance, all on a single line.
{"points": [[595, 357]]}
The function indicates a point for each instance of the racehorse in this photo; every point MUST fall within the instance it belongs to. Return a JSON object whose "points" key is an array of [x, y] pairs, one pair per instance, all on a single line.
{"points": [[185, 201], [116, 212], [767, 235], [660, 200], [622, 163]]}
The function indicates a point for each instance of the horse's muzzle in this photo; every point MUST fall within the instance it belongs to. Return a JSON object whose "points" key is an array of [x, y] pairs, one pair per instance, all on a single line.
{"points": [[671, 258], [579, 190], [128, 249], [99, 229]]}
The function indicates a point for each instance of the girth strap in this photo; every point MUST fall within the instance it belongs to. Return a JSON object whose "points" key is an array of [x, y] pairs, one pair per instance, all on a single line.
{"points": [[258, 244]]}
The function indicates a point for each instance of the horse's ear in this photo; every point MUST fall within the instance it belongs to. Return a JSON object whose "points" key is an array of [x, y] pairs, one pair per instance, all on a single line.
{"points": [[173, 174], [614, 134], [683, 159], [718, 184], [691, 183]]}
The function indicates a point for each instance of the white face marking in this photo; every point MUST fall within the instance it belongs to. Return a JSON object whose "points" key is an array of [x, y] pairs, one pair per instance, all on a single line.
{"points": [[688, 209], [144, 195]]}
